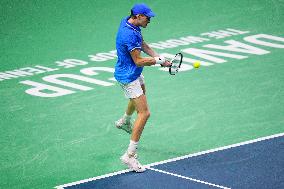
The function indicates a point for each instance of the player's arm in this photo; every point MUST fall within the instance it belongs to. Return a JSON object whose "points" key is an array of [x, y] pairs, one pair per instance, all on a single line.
{"points": [[159, 59], [148, 50], [141, 61]]}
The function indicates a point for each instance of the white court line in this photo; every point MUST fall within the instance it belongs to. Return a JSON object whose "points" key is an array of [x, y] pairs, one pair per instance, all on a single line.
{"points": [[174, 159], [188, 178], [92, 179]]}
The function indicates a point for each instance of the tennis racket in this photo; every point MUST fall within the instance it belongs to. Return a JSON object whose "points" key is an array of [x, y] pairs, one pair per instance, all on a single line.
{"points": [[175, 64]]}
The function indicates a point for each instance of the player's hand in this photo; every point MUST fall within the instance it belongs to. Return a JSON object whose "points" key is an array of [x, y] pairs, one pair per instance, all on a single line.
{"points": [[166, 64], [159, 59], [162, 61]]}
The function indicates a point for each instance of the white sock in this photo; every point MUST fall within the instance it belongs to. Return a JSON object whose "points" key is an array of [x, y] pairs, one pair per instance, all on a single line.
{"points": [[126, 117], [132, 148]]}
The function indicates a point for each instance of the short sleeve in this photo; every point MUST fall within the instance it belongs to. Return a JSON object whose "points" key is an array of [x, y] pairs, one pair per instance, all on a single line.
{"points": [[133, 42]]}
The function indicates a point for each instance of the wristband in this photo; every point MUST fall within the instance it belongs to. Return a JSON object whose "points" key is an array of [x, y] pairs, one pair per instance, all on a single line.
{"points": [[159, 60]]}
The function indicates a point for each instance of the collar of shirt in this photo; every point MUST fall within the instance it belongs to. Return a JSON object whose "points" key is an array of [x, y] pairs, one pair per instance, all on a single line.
{"points": [[135, 28]]}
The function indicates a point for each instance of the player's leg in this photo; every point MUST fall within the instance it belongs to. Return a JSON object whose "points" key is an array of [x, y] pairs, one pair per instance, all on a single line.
{"points": [[143, 114], [130, 108], [132, 90], [125, 122]]}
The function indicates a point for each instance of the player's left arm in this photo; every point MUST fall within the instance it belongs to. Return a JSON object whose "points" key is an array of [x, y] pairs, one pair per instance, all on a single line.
{"points": [[148, 50]]}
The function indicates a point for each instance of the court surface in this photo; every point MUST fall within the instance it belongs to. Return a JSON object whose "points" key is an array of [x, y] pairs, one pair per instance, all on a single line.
{"points": [[252, 164], [219, 126]]}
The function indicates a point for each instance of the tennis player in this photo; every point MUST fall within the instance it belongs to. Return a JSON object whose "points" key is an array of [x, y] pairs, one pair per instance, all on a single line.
{"points": [[128, 73]]}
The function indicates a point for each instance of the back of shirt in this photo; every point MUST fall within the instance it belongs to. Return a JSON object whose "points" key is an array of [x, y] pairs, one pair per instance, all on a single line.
{"points": [[128, 38]]}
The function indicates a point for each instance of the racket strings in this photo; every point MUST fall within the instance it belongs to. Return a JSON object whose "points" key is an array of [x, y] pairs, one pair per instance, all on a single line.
{"points": [[175, 64], [176, 61]]}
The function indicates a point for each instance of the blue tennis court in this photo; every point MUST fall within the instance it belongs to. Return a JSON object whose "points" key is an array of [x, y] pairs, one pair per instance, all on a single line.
{"points": [[253, 164]]}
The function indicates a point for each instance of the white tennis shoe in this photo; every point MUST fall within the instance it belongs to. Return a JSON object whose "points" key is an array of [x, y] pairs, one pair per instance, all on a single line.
{"points": [[131, 160], [124, 125]]}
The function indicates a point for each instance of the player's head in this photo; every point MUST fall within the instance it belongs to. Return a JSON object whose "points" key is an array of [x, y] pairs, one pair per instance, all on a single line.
{"points": [[142, 13]]}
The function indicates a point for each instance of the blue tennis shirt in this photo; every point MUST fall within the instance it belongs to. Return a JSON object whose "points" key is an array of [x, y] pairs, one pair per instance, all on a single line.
{"points": [[128, 38]]}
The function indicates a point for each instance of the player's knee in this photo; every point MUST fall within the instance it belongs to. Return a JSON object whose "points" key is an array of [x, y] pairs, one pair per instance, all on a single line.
{"points": [[144, 114], [147, 114]]}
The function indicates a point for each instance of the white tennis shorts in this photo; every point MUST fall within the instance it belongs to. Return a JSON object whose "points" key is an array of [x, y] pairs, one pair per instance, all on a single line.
{"points": [[133, 89]]}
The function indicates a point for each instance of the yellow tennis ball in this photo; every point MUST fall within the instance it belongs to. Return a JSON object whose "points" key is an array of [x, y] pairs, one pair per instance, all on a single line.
{"points": [[196, 64]]}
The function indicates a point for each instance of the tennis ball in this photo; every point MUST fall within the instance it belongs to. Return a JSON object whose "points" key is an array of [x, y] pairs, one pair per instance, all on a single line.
{"points": [[196, 64]]}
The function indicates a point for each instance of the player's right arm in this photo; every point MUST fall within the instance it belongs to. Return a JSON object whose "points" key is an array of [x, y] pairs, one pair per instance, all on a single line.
{"points": [[147, 61], [141, 61]]}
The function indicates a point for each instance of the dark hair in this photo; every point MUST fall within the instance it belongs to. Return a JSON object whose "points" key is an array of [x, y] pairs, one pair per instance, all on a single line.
{"points": [[132, 14]]}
